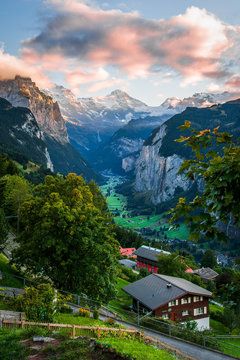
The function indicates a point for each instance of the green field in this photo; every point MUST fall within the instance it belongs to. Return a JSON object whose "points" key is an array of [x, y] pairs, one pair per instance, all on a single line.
{"points": [[117, 204]]}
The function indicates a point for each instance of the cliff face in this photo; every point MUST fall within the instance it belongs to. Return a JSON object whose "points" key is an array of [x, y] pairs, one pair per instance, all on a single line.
{"points": [[158, 174], [20, 132], [161, 157], [23, 92]]}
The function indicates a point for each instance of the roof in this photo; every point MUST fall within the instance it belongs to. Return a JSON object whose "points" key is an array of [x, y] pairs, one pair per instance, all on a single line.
{"points": [[127, 251], [128, 263], [153, 292], [150, 253], [206, 273]]}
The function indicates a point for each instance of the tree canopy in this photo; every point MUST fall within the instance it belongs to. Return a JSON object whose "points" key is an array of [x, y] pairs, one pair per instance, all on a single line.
{"points": [[68, 237], [217, 164]]}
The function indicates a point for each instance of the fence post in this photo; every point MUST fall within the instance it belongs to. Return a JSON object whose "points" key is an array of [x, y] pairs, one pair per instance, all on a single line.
{"points": [[98, 333], [204, 341], [78, 300], [73, 331], [24, 282], [170, 330], [48, 326]]}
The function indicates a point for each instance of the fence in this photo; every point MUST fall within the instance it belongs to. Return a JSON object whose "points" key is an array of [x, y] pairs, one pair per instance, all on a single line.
{"points": [[210, 342], [100, 332], [75, 330]]}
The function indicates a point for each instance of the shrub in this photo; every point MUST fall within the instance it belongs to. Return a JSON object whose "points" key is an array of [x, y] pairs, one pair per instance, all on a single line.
{"points": [[65, 309], [96, 314], [110, 321], [84, 312]]}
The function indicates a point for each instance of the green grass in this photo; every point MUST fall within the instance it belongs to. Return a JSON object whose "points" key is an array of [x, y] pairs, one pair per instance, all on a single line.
{"points": [[8, 272], [218, 327], [73, 319], [118, 202], [227, 346], [122, 302], [136, 350]]}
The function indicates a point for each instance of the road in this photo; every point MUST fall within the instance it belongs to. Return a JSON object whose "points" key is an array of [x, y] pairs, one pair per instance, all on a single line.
{"points": [[189, 349]]}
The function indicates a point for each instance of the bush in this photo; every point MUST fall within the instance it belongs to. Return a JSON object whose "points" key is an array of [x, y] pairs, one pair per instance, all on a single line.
{"points": [[65, 309], [84, 312], [110, 321], [96, 314]]}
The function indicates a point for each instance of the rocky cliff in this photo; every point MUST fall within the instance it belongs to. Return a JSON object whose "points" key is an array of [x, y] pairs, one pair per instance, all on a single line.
{"points": [[20, 133], [161, 156], [24, 92]]}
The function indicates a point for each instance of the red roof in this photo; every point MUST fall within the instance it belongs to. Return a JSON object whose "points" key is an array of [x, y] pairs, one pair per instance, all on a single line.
{"points": [[128, 252]]}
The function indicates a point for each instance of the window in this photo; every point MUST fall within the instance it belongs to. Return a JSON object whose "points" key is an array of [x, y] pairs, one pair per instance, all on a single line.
{"points": [[196, 298], [185, 312], [199, 311], [184, 301], [201, 298], [173, 303], [165, 316]]}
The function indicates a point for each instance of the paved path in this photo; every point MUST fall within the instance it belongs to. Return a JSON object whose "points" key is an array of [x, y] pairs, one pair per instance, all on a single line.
{"points": [[192, 350]]}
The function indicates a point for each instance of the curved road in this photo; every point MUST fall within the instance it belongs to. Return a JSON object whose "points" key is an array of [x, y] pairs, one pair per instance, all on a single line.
{"points": [[189, 349]]}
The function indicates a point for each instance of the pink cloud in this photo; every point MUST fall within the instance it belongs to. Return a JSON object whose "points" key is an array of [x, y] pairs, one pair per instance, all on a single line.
{"points": [[104, 85], [10, 66], [122, 47], [78, 77], [233, 83]]}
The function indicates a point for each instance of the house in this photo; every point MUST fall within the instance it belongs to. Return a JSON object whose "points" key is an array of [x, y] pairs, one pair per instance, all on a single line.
{"points": [[171, 298], [147, 257], [127, 252], [128, 263], [206, 274]]}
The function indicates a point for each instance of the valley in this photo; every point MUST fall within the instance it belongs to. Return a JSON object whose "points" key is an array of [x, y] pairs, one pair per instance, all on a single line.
{"points": [[155, 226]]}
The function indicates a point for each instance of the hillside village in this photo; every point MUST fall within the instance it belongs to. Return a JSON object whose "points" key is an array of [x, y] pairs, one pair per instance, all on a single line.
{"points": [[165, 291]]}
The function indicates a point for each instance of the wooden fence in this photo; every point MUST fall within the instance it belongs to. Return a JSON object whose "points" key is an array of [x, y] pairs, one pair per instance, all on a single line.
{"points": [[76, 330], [13, 316], [101, 332]]}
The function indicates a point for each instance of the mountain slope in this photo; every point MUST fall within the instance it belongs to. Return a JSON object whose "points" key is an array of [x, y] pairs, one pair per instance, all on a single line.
{"points": [[120, 152], [20, 132], [161, 156], [23, 92]]}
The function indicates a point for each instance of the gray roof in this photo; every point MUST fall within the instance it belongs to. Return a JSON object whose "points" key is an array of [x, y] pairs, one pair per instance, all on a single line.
{"points": [[149, 253], [206, 273], [152, 291], [128, 263]]}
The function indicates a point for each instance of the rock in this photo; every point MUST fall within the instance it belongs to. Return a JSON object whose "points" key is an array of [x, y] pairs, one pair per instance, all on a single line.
{"points": [[43, 338]]}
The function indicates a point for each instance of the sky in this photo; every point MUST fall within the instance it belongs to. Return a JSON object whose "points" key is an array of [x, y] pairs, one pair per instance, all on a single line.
{"points": [[151, 49]]}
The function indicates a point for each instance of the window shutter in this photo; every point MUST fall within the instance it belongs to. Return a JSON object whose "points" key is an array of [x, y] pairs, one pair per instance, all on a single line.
{"points": [[195, 311], [201, 298], [169, 304], [182, 301], [189, 300], [205, 309], [176, 302]]}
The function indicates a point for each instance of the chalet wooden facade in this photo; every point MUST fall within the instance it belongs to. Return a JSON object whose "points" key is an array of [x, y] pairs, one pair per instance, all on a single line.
{"points": [[147, 257], [171, 298]]}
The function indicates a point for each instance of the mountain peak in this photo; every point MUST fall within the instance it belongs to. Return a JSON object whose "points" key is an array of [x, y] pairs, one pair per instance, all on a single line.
{"points": [[118, 92]]}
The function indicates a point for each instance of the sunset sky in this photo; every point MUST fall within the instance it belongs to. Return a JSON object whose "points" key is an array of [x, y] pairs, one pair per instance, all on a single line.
{"points": [[152, 49]]}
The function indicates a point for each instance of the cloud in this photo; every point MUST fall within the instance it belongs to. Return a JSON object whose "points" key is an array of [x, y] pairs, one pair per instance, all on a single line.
{"points": [[10, 66], [104, 85], [233, 83], [192, 44]]}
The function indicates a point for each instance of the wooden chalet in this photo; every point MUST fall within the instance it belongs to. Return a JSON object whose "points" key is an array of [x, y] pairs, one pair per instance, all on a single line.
{"points": [[172, 298]]}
